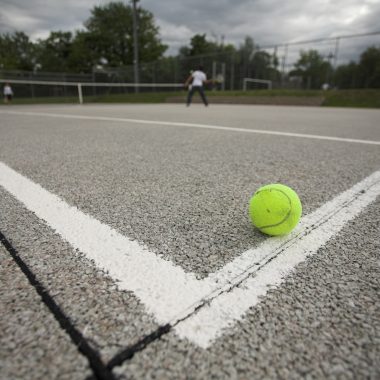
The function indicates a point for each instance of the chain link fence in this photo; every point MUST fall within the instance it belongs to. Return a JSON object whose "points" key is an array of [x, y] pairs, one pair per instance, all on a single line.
{"points": [[274, 64]]}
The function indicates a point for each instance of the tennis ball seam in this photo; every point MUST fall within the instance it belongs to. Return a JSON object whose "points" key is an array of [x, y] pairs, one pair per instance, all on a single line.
{"points": [[286, 217]]}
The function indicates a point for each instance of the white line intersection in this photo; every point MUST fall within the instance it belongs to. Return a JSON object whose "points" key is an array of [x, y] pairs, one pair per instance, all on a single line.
{"points": [[169, 293]]}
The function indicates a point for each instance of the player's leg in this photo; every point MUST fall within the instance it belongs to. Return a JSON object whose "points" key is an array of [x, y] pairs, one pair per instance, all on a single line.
{"points": [[203, 96], [190, 95]]}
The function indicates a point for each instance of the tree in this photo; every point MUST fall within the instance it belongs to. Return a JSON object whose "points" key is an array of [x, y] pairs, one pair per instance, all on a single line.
{"points": [[109, 35], [313, 69], [346, 76], [54, 52], [201, 51], [261, 65], [82, 56], [17, 52], [256, 63], [247, 48], [369, 68], [199, 45]]}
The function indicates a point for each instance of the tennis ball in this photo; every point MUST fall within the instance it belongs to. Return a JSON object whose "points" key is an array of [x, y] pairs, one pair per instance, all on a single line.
{"points": [[275, 209]]}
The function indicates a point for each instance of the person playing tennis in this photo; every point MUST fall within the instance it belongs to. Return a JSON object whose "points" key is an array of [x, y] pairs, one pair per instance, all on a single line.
{"points": [[197, 79], [8, 93]]}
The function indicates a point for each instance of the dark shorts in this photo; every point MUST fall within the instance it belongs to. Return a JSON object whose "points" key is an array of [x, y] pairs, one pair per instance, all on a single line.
{"points": [[8, 97]]}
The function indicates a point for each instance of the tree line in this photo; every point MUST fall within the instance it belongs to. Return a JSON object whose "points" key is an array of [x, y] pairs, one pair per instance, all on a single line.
{"points": [[106, 42]]}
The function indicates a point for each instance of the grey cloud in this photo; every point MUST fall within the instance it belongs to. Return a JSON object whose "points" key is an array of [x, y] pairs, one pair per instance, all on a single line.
{"points": [[44, 16], [267, 21], [271, 21]]}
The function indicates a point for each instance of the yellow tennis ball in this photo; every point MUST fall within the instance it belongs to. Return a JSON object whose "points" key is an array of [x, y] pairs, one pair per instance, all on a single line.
{"points": [[275, 209]]}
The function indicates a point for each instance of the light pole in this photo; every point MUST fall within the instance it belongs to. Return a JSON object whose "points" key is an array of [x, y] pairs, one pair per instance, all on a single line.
{"points": [[135, 45]]}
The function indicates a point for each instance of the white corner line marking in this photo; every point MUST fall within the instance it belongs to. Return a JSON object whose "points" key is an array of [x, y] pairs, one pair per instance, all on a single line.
{"points": [[200, 310], [249, 277], [165, 289], [192, 125]]}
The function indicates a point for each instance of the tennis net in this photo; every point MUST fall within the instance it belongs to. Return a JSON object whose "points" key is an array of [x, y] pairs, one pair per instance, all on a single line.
{"points": [[87, 92]]}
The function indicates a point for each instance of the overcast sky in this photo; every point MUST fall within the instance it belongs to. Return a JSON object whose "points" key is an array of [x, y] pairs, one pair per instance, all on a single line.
{"points": [[267, 21]]}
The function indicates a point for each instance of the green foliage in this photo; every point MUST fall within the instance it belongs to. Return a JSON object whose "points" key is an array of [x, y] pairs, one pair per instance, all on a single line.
{"points": [[256, 63], [199, 45], [346, 76], [369, 68], [82, 57], [353, 98], [365, 74], [109, 35], [313, 69], [54, 52], [202, 51], [17, 52], [247, 48], [107, 40]]}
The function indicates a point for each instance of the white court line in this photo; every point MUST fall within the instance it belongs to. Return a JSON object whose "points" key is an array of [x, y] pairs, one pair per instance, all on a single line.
{"points": [[165, 289], [171, 294], [249, 277], [193, 125]]}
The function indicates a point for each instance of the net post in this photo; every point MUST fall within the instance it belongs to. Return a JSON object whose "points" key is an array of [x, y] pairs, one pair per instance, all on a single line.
{"points": [[80, 95]]}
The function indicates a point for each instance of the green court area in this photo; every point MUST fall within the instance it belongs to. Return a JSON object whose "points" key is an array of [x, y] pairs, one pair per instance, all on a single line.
{"points": [[361, 98]]}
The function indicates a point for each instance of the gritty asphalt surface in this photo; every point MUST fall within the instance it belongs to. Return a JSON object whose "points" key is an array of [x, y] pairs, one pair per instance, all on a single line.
{"points": [[184, 193], [323, 323], [32, 342]]}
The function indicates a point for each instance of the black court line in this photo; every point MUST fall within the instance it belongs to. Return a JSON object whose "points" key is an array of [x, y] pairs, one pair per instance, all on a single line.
{"points": [[130, 351], [100, 370]]}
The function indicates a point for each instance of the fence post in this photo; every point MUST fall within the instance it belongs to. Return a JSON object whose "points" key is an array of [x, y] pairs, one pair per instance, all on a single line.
{"points": [[80, 93], [284, 59], [232, 78], [224, 76], [213, 72]]}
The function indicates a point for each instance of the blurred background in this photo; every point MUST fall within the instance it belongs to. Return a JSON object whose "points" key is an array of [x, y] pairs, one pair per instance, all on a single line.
{"points": [[121, 43]]}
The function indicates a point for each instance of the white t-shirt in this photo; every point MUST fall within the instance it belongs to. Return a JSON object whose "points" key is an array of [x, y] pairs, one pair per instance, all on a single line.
{"points": [[8, 90], [198, 78]]}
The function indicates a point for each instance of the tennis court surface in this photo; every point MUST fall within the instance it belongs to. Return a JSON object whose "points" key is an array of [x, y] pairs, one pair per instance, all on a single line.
{"points": [[127, 250]]}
